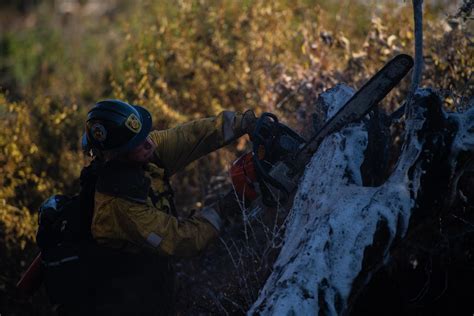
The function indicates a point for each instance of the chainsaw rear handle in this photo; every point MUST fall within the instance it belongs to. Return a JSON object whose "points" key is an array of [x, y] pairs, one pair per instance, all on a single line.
{"points": [[266, 120], [269, 132], [263, 121]]}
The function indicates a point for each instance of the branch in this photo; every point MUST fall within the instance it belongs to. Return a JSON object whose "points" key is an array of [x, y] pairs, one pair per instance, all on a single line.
{"points": [[418, 70], [418, 16]]}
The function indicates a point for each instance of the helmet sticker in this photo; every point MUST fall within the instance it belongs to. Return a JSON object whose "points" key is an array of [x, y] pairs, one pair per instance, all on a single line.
{"points": [[133, 123], [99, 132]]}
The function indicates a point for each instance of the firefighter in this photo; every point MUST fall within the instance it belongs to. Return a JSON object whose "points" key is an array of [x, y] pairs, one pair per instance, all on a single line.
{"points": [[135, 223]]}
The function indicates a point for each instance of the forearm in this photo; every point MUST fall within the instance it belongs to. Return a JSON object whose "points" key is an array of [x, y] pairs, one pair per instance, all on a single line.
{"points": [[179, 146], [146, 227]]}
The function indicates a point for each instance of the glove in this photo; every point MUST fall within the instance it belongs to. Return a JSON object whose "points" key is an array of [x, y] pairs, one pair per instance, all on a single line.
{"points": [[226, 206], [248, 122], [229, 206]]}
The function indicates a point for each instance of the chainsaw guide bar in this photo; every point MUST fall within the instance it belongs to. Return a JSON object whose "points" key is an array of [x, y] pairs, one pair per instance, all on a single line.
{"points": [[288, 172]]}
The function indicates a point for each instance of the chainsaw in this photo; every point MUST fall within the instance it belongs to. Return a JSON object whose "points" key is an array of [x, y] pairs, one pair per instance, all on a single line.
{"points": [[271, 171]]}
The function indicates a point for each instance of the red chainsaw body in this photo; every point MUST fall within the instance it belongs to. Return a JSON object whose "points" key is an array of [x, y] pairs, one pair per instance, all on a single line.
{"points": [[272, 142], [244, 177]]}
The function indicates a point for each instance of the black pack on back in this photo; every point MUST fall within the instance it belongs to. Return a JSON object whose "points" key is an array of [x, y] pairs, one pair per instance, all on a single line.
{"points": [[59, 221], [65, 239]]}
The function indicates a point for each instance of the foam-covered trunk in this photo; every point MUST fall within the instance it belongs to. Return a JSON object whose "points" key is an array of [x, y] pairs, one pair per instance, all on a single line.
{"points": [[338, 231]]}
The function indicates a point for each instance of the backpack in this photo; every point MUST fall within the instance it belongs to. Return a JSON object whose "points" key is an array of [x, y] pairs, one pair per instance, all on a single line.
{"points": [[84, 278], [65, 239]]}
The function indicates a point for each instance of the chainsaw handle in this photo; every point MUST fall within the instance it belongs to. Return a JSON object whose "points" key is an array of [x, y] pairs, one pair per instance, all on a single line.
{"points": [[257, 132], [259, 140], [263, 120]]}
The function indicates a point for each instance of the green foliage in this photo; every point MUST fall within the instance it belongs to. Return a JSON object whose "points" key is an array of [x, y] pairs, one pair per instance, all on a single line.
{"points": [[38, 150], [16, 234], [450, 62], [57, 54], [197, 58]]}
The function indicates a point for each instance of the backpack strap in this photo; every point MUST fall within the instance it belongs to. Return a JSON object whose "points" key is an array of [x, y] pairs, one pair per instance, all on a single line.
{"points": [[123, 180], [169, 192], [88, 180]]}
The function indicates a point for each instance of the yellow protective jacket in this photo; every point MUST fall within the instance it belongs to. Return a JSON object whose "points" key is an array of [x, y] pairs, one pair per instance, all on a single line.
{"points": [[127, 218]]}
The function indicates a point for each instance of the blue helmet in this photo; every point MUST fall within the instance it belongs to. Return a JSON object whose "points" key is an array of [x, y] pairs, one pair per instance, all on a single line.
{"points": [[117, 126]]}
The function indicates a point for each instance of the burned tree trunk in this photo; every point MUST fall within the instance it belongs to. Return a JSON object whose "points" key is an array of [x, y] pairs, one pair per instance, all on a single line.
{"points": [[374, 169], [340, 232]]}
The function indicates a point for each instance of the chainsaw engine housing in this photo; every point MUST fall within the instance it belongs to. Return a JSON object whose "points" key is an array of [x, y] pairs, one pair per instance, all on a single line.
{"points": [[253, 174]]}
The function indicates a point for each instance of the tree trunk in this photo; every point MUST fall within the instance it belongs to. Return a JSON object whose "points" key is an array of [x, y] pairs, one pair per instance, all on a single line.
{"points": [[340, 232]]}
